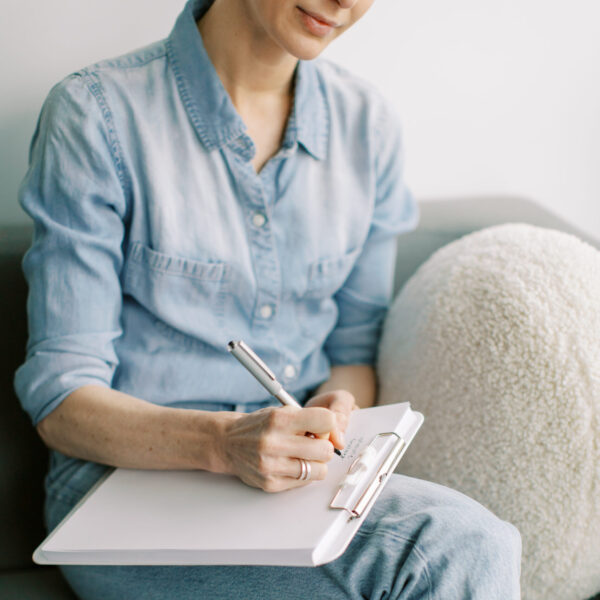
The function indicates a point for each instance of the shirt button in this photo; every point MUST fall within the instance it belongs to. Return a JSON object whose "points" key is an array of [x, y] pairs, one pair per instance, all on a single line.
{"points": [[289, 371], [266, 311], [259, 219]]}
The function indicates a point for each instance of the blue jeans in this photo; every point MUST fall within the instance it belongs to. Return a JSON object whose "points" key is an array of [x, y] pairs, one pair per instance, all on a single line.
{"points": [[421, 541]]}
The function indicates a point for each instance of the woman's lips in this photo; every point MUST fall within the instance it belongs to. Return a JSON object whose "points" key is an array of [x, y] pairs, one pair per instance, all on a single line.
{"points": [[316, 24]]}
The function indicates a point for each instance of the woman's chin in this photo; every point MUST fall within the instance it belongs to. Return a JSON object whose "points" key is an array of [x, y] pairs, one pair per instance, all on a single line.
{"points": [[306, 47]]}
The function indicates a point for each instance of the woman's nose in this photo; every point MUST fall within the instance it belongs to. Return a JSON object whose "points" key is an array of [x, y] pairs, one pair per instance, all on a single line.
{"points": [[346, 3]]}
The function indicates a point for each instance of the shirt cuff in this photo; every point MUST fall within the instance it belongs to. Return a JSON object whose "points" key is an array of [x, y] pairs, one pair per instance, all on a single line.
{"points": [[51, 373]]}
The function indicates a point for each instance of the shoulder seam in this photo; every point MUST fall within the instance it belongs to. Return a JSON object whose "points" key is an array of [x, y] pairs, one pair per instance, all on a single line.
{"points": [[94, 86], [127, 61]]}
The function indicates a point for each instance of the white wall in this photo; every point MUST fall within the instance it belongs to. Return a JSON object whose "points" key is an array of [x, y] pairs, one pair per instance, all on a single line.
{"points": [[496, 97], [42, 41], [499, 96]]}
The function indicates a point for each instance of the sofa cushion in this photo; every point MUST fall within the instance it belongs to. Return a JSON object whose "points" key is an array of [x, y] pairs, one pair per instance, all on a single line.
{"points": [[23, 457], [36, 583], [496, 339]]}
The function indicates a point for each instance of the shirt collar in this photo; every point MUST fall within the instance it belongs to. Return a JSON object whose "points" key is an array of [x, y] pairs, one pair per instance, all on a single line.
{"points": [[209, 107], [310, 114]]}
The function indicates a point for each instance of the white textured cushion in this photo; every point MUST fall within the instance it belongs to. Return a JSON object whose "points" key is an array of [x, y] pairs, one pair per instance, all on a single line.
{"points": [[496, 339]]}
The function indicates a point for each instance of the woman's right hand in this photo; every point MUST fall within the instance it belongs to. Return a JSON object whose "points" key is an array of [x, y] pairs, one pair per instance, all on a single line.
{"points": [[262, 448]]}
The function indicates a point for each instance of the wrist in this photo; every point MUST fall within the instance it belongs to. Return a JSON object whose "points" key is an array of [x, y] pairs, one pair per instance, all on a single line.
{"points": [[216, 426]]}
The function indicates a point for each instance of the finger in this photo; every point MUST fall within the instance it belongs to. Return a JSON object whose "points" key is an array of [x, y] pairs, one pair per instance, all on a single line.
{"points": [[343, 418], [315, 420], [310, 449], [341, 402], [281, 484], [340, 397], [337, 439], [292, 468], [288, 476]]}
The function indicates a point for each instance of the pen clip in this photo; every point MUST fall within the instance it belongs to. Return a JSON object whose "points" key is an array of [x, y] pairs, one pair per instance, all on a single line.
{"points": [[253, 356]]}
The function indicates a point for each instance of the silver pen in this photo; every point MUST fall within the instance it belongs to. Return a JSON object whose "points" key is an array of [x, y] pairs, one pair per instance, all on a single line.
{"points": [[264, 375], [261, 372]]}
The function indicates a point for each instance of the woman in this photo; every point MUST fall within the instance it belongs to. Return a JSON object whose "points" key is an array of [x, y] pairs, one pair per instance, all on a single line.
{"points": [[212, 186]]}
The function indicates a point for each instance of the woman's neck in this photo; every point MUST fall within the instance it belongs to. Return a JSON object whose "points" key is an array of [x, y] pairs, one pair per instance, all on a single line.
{"points": [[249, 63]]}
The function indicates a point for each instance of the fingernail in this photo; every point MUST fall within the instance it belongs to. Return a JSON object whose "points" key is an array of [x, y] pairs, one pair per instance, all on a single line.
{"points": [[341, 438]]}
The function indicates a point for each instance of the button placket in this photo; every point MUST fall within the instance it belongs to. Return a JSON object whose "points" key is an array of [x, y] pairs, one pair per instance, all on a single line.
{"points": [[263, 249], [256, 191]]}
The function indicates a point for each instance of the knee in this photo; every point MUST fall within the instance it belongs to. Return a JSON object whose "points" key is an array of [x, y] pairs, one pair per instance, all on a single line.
{"points": [[500, 541], [485, 542], [464, 546], [476, 553], [467, 523]]}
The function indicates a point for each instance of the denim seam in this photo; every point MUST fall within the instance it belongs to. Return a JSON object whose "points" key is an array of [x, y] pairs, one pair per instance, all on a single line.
{"points": [[121, 66], [322, 137], [378, 129], [95, 87], [160, 262], [364, 533], [325, 132], [185, 97], [221, 269], [191, 107]]}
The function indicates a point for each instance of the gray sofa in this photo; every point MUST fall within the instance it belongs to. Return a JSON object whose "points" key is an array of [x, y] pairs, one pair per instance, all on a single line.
{"points": [[22, 455]]}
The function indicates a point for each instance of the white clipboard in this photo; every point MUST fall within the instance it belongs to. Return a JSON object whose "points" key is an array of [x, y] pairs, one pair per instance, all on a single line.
{"points": [[137, 517]]}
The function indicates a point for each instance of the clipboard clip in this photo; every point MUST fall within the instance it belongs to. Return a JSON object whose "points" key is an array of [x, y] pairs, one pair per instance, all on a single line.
{"points": [[368, 473]]}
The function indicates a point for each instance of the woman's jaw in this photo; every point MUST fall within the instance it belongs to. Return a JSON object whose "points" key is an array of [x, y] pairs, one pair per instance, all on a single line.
{"points": [[319, 22], [304, 28], [260, 41]]}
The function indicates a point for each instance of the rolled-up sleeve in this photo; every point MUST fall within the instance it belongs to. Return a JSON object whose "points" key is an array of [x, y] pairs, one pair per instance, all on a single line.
{"points": [[75, 192], [365, 296]]}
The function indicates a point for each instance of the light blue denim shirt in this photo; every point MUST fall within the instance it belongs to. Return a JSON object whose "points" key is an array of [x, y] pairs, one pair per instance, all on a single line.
{"points": [[156, 242]]}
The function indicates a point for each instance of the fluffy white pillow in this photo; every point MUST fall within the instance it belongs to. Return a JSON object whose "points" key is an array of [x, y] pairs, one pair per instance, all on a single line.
{"points": [[496, 339]]}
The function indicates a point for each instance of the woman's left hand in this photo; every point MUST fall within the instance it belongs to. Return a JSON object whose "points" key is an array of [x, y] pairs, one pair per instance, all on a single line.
{"points": [[340, 402]]}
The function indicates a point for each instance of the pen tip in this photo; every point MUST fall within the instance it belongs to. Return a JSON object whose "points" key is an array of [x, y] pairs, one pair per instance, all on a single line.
{"points": [[338, 452]]}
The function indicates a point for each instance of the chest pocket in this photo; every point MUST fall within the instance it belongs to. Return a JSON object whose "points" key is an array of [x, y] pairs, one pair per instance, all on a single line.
{"points": [[182, 292], [326, 277]]}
